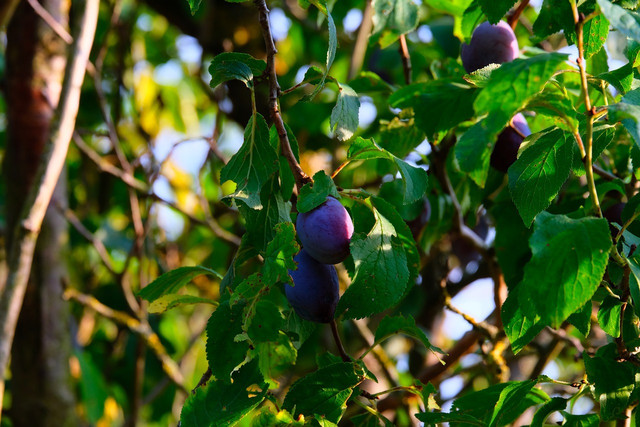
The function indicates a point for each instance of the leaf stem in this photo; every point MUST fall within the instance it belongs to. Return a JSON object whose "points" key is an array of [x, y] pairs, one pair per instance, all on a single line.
{"points": [[336, 337], [274, 92]]}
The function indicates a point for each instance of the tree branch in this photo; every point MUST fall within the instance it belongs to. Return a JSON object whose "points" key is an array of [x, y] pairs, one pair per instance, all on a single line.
{"points": [[274, 92], [406, 59], [37, 201]]}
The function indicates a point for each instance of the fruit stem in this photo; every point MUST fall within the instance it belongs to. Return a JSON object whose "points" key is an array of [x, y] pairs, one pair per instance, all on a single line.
{"points": [[336, 337], [274, 93], [406, 59], [512, 20]]}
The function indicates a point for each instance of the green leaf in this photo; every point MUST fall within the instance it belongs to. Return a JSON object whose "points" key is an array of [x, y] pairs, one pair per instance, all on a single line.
{"points": [[223, 404], [453, 7], [93, 387], [581, 319], [194, 5], [265, 322], [510, 233], [627, 111], [500, 404], [392, 18], [586, 420], [539, 172], [436, 418], [172, 281], [253, 164], [631, 208], [275, 358], [414, 178], [481, 76], [595, 32], [514, 83], [569, 260], [399, 136], [555, 15], [224, 354], [521, 328], [407, 325], [613, 381], [625, 21], [279, 254], [169, 301], [609, 316], [381, 272], [471, 18], [370, 82], [260, 224], [438, 105], [313, 195], [324, 391], [496, 9], [331, 50], [344, 116], [603, 134], [287, 180], [553, 405], [235, 66]]}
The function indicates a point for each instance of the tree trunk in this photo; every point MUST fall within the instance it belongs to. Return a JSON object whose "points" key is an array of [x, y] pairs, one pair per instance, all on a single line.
{"points": [[40, 387]]}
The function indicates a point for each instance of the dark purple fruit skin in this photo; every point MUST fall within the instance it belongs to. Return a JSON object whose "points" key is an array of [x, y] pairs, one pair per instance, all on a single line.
{"points": [[316, 292], [505, 151], [326, 231], [490, 44]]}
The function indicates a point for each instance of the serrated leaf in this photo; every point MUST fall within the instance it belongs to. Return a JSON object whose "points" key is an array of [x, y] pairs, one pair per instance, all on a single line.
{"points": [[627, 111], [613, 381], [453, 7], [279, 254], [169, 301], [344, 116], [381, 272], [224, 354], [586, 420], [620, 78], [581, 319], [569, 260], [223, 404], [595, 32], [331, 51], [392, 18], [510, 233], [265, 322], [235, 66], [603, 134], [414, 178], [609, 316], [554, 16], [481, 76], [514, 83], [260, 224], [496, 9], [324, 391], [539, 172], [513, 394], [173, 281], [521, 328], [631, 208], [436, 418], [313, 195], [253, 164], [471, 18], [275, 358], [407, 325], [438, 105], [625, 21]]}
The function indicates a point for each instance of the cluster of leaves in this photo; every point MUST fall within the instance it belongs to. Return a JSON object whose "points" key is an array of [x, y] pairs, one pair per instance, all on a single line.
{"points": [[557, 254]]}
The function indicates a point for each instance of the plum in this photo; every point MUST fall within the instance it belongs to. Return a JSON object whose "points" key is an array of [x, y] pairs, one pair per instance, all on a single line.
{"points": [[490, 44], [325, 232], [505, 151], [316, 292]]}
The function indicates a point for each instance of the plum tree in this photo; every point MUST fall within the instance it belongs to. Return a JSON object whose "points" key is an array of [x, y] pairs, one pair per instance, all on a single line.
{"points": [[315, 294], [490, 44], [505, 151], [325, 232]]}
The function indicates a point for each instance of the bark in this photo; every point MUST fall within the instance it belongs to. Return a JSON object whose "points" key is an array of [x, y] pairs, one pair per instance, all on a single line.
{"points": [[40, 387]]}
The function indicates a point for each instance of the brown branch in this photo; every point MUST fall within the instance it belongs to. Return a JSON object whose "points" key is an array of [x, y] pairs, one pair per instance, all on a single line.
{"points": [[274, 92], [51, 21], [463, 346], [141, 328], [513, 17], [362, 39], [37, 201], [406, 59]]}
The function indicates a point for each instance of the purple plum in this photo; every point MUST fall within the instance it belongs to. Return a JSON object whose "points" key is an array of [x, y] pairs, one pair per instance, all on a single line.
{"points": [[316, 292], [490, 44], [325, 232], [505, 151]]}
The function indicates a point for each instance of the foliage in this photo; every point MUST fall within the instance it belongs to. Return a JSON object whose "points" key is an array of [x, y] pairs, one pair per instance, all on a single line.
{"points": [[428, 221]]}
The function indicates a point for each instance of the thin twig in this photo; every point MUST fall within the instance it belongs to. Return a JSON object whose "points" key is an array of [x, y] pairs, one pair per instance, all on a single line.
{"points": [[513, 17], [274, 92], [51, 21], [406, 59], [336, 337], [141, 328], [51, 164], [487, 329]]}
